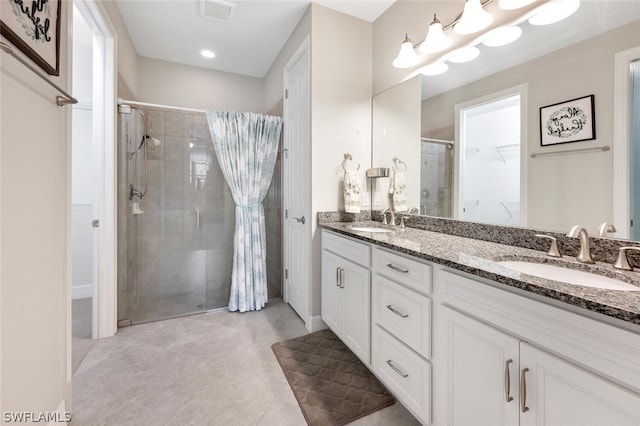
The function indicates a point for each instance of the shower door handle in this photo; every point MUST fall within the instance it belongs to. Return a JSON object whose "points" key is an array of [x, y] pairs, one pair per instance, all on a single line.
{"points": [[198, 218], [300, 219]]}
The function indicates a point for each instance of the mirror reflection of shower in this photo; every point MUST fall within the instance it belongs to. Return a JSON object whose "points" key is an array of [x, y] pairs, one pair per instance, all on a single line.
{"points": [[137, 129]]}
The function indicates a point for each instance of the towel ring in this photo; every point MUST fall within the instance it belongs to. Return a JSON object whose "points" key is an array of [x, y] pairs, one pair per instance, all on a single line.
{"points": [[347, 157], [396, 162]]}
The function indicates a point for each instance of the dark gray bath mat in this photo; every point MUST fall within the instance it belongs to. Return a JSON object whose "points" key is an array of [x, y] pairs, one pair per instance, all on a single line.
{"points": [[332, 386]]}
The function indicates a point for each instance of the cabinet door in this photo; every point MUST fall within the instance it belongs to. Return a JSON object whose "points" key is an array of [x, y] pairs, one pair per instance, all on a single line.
{"points": [[356, 294], [559, 393], [331, 291], [482, 373]]}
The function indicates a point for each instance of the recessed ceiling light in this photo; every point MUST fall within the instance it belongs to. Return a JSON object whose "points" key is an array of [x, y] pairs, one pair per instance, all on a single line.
{"points": [[207, 53]]}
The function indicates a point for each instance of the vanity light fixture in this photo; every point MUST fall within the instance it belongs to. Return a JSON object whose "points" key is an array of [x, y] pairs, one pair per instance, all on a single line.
{"points": [[554, 11], [434, 69], [474, 18], [513, 4], [436, 40], [502, 36], [407, 56], [207, 53], [465, 54]]}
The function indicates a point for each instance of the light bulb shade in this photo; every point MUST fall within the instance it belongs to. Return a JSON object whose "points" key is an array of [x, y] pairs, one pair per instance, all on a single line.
{"points": [[513, 4], [554, 11], [436, 40], [474, 18], [502, 36], [464, 55], [434, 69], [407, 56]]}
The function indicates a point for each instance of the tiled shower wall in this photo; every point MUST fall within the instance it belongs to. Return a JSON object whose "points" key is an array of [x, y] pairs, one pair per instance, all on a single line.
{"points": [[169, 265]]}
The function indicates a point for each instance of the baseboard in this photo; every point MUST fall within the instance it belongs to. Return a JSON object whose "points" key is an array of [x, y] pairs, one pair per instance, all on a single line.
{"points": [[82, 291], [315, 323]]}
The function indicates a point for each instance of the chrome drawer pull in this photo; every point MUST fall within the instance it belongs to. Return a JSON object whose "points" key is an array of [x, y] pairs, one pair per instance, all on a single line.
{"points": [[523, 390], [507, 381], [337, 277], [341, 277], [397, 268], [397, 312], [397, 370]]}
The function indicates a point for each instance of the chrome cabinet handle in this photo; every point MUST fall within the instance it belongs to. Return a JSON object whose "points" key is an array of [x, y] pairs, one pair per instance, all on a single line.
{"points": [[198, 218], [337, 277], [397, 268], [397, 312], [397, 370], [300, 219], [341, 277], [523, 390], [507, 380]]}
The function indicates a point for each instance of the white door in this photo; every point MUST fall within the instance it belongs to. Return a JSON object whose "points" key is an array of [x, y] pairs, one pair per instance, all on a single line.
{"points": [[331, 291], [356, 304], [482, 373], [561, 394], [297, 183]]}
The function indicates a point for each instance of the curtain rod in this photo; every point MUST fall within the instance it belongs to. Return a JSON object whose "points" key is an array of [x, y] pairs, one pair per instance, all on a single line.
{"points": [[150, 105], [67, 99]]}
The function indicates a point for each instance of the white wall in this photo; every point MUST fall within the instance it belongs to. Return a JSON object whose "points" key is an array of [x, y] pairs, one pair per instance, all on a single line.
{"points": [[340, 112], [578, 188], [273, 82], [34, 234], [126, 51], [168, 83]]}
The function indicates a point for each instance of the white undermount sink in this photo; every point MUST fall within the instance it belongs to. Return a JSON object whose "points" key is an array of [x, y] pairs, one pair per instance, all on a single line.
{"points": [[569, 276], [369, 229]]}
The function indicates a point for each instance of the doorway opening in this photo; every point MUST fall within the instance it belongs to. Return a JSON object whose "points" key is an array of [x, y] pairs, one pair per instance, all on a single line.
{"points": [[489, 173], [635, 143], [93, 232]]}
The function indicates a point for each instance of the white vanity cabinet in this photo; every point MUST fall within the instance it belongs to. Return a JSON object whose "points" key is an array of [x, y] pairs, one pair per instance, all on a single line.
{"points": [[346, 292], [503, 372], [401, 328]]}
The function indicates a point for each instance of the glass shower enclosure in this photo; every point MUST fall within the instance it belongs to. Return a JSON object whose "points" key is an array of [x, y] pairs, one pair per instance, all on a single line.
{"points": [[176, 217]]}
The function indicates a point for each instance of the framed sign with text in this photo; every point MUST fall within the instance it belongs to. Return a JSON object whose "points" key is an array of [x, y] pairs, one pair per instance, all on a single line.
{"points": [[569, 121], [33, 26]]}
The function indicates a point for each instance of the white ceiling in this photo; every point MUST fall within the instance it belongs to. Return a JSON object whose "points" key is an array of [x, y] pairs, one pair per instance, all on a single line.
{"points": [[173, 30]]}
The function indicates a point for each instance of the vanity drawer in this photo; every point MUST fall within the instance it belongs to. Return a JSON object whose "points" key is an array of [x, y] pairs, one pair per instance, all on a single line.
{"points": [[404, 313], [409, 272], [354, 251], [407, 375]]}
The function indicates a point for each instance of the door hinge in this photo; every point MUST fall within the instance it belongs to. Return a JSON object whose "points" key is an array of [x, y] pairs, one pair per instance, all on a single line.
{"points": [[286, 214], [286, 273], [95, 223], [286, 93]]}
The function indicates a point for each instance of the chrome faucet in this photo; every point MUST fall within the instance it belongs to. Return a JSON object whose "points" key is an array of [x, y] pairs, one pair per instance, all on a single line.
{"points": [[584, 256], [384, 217], [605, 228]]}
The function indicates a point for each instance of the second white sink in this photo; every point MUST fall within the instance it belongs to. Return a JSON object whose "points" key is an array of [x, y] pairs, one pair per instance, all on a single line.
{"points": [[569, 276]]}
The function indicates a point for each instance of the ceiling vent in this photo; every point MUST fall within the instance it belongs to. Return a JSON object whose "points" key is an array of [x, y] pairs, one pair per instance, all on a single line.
{"points": [[218, 10]]}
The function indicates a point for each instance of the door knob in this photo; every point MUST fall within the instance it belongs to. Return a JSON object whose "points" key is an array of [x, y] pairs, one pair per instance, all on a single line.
{"points": [[300, 219]]}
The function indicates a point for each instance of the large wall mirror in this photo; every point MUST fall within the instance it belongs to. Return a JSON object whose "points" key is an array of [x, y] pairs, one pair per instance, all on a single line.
{"points": [[468, 142]]}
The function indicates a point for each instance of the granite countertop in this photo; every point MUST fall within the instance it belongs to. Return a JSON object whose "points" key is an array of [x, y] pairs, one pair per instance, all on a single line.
{"points": [[480, 259]]}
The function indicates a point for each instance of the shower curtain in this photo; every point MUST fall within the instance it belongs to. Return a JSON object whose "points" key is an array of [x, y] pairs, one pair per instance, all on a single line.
{"points": [[246, 145]]}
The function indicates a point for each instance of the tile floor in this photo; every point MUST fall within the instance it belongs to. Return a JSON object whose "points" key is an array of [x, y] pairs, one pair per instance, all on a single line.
{"points": [[209, 369]]}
